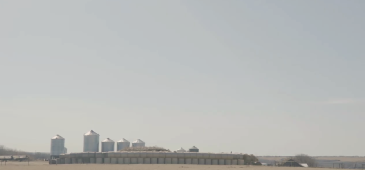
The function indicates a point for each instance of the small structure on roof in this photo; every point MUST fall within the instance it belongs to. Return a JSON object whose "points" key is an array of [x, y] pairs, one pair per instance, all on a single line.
{"points": [[193, 149], [181, 150]]}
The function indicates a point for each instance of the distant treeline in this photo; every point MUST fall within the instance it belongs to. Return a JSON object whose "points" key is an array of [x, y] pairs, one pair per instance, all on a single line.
{"points": [[4, 151]]}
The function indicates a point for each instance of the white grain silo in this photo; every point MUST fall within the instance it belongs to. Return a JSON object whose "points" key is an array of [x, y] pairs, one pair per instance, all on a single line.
{"points": [[138, 143], [91, 141], [181, 150], [107, 145], [57, 145], [123, 143]]}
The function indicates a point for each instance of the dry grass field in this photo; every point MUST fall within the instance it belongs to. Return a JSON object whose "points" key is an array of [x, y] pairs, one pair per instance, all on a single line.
{"points": [[46, 166]]}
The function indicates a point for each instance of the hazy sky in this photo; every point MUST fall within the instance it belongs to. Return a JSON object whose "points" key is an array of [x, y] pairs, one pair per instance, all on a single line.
{"points": [[260, 77]]}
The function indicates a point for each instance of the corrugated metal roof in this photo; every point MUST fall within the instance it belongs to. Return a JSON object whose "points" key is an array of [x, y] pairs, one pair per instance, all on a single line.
{"points": [[58, 137], [138, 141], [124, 140], [107, 140], [91, 132]]}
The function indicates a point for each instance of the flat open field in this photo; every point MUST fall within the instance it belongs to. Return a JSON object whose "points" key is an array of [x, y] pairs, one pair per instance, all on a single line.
{"points": [[46, 166]]}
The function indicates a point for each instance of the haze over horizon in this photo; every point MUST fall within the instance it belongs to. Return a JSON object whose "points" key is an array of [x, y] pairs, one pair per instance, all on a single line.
{"points": [[259, 77]]}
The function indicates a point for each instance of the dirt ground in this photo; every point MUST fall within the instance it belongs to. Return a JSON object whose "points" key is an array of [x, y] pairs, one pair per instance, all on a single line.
{"points": [[46, 166]]}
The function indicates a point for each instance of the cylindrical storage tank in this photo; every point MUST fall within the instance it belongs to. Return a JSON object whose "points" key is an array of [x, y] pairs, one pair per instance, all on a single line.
{"points": [[57, 145], [193, 149], [91, 141], [138, 143], [107, 145], [123, 143]]}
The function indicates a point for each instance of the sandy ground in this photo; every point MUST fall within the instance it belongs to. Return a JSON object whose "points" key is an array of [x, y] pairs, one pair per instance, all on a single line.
{"points": [[46, 166]]}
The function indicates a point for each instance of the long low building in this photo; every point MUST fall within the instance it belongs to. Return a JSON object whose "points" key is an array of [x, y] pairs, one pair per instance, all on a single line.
{"points": [[151, 158]]}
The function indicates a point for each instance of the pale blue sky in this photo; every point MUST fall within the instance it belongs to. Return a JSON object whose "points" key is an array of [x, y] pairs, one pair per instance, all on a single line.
{"points": [[259, 77]]}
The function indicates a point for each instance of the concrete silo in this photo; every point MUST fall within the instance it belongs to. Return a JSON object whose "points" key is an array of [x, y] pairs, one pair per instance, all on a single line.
{"points": [[57, 145], [193, 149], [123, 143], [107, 145], [91, 141], [138, 143]]}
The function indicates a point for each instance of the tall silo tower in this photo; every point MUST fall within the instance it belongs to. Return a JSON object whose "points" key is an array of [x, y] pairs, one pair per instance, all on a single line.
{"points": [[91, 141], [57, 145], [138, 143], [123, 143], [107, 145]]}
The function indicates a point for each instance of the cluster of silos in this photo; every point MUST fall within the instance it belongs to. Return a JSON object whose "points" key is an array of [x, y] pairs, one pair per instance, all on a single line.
{"points": [[57, 145], [91, 143]]}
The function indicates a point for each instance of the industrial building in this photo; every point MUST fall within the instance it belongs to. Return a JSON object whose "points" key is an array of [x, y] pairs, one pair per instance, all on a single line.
{"points": [[151, 158], [108, 155]]}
